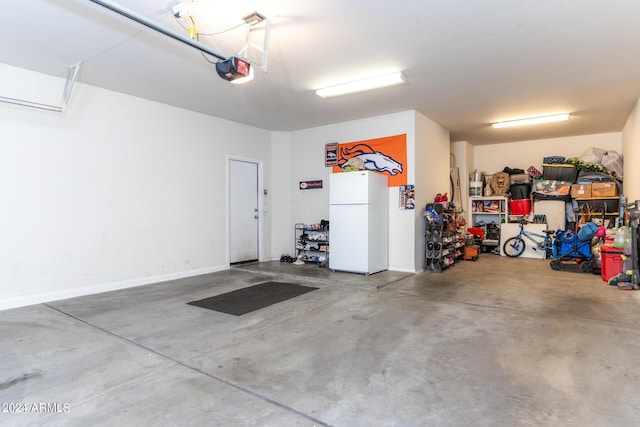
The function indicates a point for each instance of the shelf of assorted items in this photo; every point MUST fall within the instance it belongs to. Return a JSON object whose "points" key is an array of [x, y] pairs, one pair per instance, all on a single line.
{"points": [[444, 242], [312, 243], [602, 210], [489, 210], [452, 237], [488, 213]]}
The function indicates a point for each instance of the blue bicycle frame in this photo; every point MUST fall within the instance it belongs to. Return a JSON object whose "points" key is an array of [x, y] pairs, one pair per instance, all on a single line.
{"points": [[515, 246]]}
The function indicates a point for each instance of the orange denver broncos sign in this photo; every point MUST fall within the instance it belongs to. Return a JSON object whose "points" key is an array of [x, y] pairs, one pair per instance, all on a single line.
{"points": [[386, 155]]}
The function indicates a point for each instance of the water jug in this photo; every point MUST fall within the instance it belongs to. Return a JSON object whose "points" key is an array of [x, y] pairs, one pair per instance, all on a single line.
{"points": [[621, 237]]}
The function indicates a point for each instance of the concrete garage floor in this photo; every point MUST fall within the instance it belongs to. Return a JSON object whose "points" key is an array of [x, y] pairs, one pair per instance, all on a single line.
{"points": [[497, 342]]}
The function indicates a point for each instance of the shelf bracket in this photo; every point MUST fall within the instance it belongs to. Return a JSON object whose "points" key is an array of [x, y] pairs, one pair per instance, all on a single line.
{"points": [[66, 94]]}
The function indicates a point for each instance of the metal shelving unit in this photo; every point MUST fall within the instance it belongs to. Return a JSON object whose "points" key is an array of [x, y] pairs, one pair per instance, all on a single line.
{"points": [[312, 244]]}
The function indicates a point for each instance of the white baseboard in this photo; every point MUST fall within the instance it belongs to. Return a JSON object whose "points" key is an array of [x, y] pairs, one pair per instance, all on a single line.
{"points": [[402, 270], [24, 300]]}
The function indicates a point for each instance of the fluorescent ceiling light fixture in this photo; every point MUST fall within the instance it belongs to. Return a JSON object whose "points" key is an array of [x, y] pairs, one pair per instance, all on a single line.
{"points": [[532, 120], [361, 85]]}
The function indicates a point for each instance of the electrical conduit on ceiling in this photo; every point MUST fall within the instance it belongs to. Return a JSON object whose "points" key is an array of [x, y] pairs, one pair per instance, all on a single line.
{"points": [[150, 24]]}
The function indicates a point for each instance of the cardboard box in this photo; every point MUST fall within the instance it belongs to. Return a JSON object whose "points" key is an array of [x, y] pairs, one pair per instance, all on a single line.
{"points": [[579, 191], [604, 189]]}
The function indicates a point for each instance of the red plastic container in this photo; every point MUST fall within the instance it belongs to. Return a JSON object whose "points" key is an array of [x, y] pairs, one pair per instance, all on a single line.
{"points": [[477, 231], [520, 207], [611, 261]]}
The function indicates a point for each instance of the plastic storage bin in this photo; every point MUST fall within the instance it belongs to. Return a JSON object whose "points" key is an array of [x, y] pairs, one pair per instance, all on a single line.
{"points": [[567, 173], [520, 207], [552, 187], [611, 261], [554, 160], [477, 231], [520, 191]]}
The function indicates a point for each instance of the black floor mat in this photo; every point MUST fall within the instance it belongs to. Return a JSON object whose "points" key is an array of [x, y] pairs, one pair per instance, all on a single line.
{"points": [[246, 300]]}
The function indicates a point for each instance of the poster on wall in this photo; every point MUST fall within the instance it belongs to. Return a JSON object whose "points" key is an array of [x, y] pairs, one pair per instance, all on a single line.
{"points": [[386, 155], [331, 154], [310, 185], [407, 197]]}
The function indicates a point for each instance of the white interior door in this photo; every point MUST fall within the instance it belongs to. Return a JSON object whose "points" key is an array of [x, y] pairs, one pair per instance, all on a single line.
{"points": [[243, 211]]}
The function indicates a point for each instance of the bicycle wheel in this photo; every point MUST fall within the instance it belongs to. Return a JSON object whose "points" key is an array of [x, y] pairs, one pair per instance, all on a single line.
{"points": [[513, 247]]}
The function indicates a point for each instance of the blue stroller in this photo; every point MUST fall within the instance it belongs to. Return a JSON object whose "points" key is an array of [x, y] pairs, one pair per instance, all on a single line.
{"points": [[569, 245]]}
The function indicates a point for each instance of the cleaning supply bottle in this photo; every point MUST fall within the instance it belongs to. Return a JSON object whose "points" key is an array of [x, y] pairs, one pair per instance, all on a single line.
{"points": [[621, 237]]}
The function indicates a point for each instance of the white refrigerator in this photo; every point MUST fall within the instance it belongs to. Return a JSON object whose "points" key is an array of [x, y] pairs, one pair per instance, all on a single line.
{"points": [[359, 222]]}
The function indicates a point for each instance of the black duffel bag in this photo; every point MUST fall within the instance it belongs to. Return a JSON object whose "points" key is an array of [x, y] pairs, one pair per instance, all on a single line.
{"points": [[511, 171]]}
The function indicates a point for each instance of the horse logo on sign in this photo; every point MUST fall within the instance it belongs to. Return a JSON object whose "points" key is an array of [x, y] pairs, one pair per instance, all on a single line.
{"points": [[373, 160], [387, 155]]}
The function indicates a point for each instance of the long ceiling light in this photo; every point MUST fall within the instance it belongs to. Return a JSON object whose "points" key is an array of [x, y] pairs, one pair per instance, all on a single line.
{"points": [[532, 120], [361, 85]]}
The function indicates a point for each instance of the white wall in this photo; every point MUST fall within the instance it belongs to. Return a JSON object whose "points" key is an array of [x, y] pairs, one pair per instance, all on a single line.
{"points": [[463, 152], [279, 199], [299, 156], [120, 191], [494, 157], [116, 192], [432, 168], [631, 153], [21, 84]]}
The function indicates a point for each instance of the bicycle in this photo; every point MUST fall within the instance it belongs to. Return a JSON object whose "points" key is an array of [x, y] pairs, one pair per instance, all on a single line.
{"points": [[515, 246]]}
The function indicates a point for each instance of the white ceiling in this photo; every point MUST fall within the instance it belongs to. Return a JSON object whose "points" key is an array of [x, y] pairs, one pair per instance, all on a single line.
{"points": [[467, 63]]}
